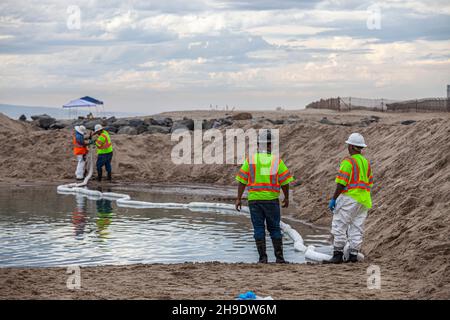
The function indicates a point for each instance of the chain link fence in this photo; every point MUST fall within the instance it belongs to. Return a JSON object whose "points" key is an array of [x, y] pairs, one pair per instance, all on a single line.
{"points": [[421, 105], [382, 105]]}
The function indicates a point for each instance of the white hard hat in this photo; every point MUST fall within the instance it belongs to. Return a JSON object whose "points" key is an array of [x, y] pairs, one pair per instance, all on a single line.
{"points": [[80, 129], [356, 139], [98, 127]]}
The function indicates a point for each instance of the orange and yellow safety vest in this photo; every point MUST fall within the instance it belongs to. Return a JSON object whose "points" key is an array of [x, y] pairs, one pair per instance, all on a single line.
{"points": [[78, 149], [103, 143], [355, 174], [264, 175]]}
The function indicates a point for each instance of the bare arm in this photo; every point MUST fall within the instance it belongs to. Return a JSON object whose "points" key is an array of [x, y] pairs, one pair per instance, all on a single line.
{"points": [[241, 188], [285, 189], [338, 191]]}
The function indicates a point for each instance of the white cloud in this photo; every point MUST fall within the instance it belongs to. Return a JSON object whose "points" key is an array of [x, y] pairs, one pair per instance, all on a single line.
{"points": [[283, 50]]}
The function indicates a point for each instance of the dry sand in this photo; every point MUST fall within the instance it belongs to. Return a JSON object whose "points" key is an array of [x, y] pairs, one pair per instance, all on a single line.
{"points": [[407, 234], [204, 281]]}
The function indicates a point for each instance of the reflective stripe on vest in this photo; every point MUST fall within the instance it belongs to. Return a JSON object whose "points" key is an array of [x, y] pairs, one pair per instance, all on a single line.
{"points": [[242, 174], [107, 144], [77, 148], [273, 186], [75, 143], [284, 176], [355, 182], [264, 188], [252, 166], [274, 171]]}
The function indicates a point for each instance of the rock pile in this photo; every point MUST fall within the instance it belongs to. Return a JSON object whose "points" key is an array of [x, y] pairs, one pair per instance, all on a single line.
{"points": [[136, 126]]}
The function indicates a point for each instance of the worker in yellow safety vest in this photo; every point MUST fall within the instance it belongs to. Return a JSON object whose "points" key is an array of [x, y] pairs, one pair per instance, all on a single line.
{"points": [[104, 151], [351, 200], [265, 174]]}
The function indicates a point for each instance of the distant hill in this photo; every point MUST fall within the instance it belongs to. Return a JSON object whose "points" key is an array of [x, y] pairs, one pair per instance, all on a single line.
{"points": [[15, 111]]}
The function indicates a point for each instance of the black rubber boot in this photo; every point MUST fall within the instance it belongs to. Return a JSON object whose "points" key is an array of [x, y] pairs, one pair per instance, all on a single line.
{"points": [[261, 246], [99, 176], [353, 256], [337, 257], [109, 177], [278, 250]]}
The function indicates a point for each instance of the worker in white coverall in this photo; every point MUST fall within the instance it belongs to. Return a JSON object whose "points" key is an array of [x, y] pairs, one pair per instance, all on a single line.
{"points": [[80, 150], [351, 200]]}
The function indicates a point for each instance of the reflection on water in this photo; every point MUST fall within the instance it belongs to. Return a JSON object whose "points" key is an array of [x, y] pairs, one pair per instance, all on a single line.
{"points": [[79, 217], [104, 217], [38, 227]]}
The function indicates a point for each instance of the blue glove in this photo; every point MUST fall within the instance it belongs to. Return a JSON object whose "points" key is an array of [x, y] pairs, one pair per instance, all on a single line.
{"points": [[249, 295], [332, 204]]}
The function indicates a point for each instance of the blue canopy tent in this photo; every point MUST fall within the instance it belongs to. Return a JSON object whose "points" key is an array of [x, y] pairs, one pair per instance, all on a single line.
{"points": [[84, 102]]}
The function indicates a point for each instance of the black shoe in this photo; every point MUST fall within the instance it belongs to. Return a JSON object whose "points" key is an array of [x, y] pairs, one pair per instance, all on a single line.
{"points": [[278, 250], [261, 246], [109, 178], [337, 257], [99, 177], [353, 257]]}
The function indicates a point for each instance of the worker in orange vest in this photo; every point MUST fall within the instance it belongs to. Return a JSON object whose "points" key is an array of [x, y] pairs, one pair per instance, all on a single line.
{"points": [[80, 150]]}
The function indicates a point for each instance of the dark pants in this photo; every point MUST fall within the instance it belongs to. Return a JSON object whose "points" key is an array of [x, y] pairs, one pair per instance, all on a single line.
{"points": [[265, 211], [104, 160]]}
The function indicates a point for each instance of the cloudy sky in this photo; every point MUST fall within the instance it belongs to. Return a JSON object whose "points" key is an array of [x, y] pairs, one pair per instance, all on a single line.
{"points": [[151, 56]]}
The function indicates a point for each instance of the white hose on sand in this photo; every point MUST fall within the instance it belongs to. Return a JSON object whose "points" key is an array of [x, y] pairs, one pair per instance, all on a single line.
{"points": [[68, 188], [124, 200]]}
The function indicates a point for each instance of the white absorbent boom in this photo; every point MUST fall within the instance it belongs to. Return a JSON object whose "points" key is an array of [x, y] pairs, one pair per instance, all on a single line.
{"points": [[124, 200]]}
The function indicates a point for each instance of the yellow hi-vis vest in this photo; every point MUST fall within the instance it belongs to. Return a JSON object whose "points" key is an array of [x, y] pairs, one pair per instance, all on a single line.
{"points": [[103, 143], [356, 175], [264, 174]]}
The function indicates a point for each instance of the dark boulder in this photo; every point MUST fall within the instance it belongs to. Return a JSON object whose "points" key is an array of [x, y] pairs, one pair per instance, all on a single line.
{"points": [[135, 123], [58, 125], [276, 121], [325, 120], [186, 124], [43, 121], [159, 121], [128, 130], [208, 124], [368, 120], [23, 118], [142, 128], [121, 123], [217, 123], [242, 116], [110, 120], [226, 122], [90, 124], [157, 129], [111, 129]]}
